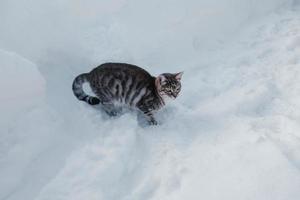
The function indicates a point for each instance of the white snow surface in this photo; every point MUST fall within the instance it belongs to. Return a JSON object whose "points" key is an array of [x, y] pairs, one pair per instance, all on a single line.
{"points": [[233, 133], [27, 91]]}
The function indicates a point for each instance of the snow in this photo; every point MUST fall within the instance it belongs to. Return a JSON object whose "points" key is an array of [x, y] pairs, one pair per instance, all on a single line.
{"points": [[21, 84], [233, 133], [23, 89]]}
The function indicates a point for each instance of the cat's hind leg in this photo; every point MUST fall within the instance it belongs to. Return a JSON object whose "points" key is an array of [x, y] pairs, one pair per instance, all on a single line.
{"points": [[111, 109], [107, 102]]}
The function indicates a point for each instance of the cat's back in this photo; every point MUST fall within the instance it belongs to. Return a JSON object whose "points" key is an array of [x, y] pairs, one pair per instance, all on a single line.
{"points": [[121, 71], [121, 82]]}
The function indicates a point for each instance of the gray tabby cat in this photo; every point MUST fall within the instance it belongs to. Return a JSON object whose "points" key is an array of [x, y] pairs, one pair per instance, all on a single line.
{"points": [[117, 84]]}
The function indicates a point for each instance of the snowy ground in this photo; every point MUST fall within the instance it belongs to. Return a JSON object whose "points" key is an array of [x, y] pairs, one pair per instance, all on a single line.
{"points": [[234, 133]]}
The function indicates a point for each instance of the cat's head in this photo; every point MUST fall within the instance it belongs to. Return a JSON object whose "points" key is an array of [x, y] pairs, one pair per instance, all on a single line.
{"points": [[168, 85]]}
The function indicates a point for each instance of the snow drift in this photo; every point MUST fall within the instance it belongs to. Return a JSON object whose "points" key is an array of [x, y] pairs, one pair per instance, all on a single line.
{"points": [[21, 84]]}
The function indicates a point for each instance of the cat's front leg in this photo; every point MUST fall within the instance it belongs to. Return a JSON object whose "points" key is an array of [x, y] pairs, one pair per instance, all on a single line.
{"points": [[148, 115], [151, 119]]}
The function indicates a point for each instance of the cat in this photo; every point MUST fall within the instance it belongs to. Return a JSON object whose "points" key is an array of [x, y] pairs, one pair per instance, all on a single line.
{"points": [[127, 85]]}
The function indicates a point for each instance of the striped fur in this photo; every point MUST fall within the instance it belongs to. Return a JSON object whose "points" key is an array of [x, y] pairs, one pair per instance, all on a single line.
{"points": [[78, 90], [128, 85]]}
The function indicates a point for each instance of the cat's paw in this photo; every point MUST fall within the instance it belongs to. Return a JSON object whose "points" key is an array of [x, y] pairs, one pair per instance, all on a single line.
{"points": [[112, 113], [153, 122]]}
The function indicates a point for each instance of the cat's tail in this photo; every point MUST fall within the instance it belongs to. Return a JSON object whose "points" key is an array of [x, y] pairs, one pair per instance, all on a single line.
{"points": [[78, 90]]}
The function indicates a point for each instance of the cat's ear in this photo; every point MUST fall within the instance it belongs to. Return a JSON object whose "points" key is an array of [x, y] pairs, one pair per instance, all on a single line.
{"points": [[178, 76], [160, 80]]}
